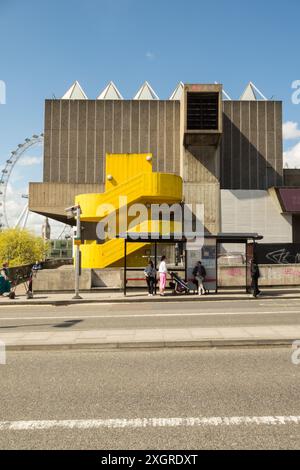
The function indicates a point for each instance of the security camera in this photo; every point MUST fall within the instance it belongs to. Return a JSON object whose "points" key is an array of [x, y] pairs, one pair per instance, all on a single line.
{"points": [[72, 211]]}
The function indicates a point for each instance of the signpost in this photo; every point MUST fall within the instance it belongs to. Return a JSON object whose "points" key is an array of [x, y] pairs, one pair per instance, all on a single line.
{"points": [[75, 211]]}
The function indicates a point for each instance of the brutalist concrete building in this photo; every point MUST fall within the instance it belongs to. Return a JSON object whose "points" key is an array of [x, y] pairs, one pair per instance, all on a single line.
{"points": [[228, 153]]}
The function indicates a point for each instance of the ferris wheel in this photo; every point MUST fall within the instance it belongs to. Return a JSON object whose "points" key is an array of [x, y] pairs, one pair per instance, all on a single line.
{"points": [[37, 140]]}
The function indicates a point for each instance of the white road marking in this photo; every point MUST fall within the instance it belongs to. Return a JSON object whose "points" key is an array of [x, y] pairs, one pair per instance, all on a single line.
{"points": [[53, 306], [145, 315], [128, 302], [149, 422]]}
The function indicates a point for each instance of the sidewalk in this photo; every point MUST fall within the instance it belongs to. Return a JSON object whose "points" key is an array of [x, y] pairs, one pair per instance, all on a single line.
{"points": [[108, 339], [65, 298]]}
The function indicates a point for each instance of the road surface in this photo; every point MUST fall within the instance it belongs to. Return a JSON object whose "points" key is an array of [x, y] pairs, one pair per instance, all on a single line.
{"points": [[128, 400], [259, 312]]}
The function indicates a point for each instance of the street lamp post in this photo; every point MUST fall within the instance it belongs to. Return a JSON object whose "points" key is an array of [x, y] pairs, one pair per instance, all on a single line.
{"points": [[75, 211]]}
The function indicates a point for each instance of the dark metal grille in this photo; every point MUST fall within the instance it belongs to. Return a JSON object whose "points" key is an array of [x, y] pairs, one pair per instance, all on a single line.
{"points": [[202, 111]]}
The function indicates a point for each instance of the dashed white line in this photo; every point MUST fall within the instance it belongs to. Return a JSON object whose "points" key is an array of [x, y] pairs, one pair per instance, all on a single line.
{"points": [[149, 422]]}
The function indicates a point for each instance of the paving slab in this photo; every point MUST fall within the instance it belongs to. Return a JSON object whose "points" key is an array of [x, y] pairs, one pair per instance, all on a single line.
{"points": [[65, 298], [154, 338]]}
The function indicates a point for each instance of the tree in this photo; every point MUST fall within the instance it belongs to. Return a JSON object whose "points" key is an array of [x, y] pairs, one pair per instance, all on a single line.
{"points": [[19, 247]]}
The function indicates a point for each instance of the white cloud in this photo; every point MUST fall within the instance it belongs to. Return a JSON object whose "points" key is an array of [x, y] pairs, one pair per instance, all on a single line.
{"points": [[14, 207], [291, 157], [29, 161], [150, 55], [290, 130]]}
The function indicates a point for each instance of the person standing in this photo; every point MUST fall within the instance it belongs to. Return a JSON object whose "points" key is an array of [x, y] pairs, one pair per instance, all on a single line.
{"points": [[199, 274], [162, 275], [150, 275], [5, 285], [255, 275], [35, 268]]}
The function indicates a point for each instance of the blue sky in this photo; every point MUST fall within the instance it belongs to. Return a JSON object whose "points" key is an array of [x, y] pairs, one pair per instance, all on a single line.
{"points": [[46, 45]]}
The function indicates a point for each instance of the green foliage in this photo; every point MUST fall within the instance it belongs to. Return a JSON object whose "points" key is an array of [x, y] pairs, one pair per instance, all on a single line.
{"points": [[19, 247]]}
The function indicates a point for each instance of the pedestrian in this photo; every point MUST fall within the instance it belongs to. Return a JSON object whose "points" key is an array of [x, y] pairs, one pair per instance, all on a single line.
{"points": [[199, 273], [37, 266], [255, 275], [5, 285], [162, 275], [150, 274]]}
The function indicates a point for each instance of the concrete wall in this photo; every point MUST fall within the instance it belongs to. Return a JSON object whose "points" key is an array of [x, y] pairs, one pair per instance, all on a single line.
{"points": [[255, 211], [78, 134], [109, 277], [200, 168], [271, 275], [61, 279], [251, 145], [207, 194], [51, 199]]}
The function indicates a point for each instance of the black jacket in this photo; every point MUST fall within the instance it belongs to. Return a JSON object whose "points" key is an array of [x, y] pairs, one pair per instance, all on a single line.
{"points": [[255, 274], [199, 270]]}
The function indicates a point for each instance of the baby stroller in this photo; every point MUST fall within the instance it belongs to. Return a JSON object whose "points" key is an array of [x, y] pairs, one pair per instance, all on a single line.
{"points": [[178, 285]]}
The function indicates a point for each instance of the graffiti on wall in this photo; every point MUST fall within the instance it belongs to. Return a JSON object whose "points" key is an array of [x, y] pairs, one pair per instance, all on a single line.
{"points": [[283, 256], [284, 253]]}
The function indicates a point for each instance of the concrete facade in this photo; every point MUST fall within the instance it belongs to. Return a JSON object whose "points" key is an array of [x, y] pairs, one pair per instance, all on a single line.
{"points": [[51, 199], [79, 133], [252, 145], [240, 151], [255, 211], [244, 151]]}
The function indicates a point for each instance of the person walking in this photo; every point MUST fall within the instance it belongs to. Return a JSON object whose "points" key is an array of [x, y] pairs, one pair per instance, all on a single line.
{"points": [[150, 274], [255, 275], [199, 274], [162, 275]]}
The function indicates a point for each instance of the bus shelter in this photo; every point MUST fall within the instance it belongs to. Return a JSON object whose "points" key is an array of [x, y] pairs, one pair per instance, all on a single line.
{"points": [[207, 252]]}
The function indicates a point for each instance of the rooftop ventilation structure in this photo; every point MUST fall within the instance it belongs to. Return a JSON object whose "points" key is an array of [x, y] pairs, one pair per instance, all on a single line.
{"points": [[202, 114]]}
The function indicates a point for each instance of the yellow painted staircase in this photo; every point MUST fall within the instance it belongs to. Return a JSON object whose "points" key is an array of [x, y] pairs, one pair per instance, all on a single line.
{"points": [[129, 180]]}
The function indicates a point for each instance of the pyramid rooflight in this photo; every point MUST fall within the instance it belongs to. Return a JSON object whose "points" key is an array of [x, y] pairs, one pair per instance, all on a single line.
{"points": [[177, 93], [146, 92], [75, 92], [252, 93], [110, 92]]}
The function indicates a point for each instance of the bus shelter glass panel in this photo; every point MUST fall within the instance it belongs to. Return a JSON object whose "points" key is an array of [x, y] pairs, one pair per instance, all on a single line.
{"points": [[209, 261], [232, 265], [206, 252]]}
